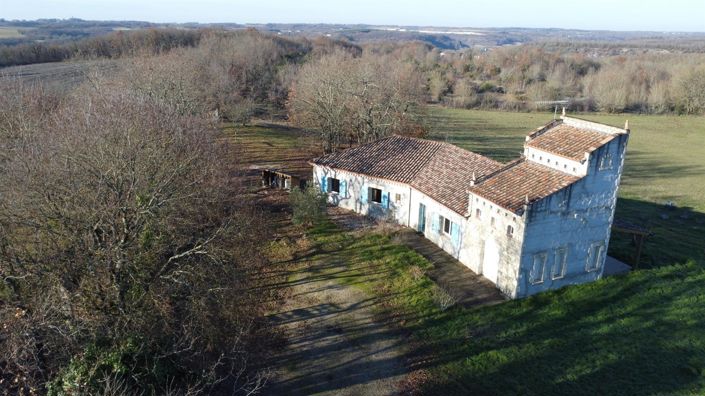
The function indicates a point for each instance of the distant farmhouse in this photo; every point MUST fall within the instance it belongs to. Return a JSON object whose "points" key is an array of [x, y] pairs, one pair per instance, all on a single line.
{"points": [[539, 222]]}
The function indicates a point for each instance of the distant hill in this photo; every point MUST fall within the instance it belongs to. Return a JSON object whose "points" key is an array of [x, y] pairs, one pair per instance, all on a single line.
{"points": [[447, 38]]}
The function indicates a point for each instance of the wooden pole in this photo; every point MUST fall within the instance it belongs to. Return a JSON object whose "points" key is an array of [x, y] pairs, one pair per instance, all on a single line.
{"points": [[640, 242]]}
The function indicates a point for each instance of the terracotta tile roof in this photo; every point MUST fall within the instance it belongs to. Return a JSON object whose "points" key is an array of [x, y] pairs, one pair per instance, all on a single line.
{"points": [[440, 170], [569, 141], [447, 176], [509, 186], [394, 158]]}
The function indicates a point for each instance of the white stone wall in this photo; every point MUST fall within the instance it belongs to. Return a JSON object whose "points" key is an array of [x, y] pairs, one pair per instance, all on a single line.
{"points": [[557, 162], [352, 198], [488, 245], [575, 219], [584, 124], [404, 212], [433, 210]]}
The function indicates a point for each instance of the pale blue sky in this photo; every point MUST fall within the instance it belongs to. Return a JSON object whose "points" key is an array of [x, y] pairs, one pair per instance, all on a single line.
{"points": [[655, 15]]}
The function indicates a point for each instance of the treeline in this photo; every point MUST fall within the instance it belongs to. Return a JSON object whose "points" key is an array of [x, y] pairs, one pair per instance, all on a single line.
{"points": [[685, 43], [113, 45], [529, 77], [229, 75]]}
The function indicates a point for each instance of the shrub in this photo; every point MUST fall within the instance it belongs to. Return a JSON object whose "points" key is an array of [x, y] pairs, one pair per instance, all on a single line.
{"points": [[487, 87], [417, 272], [443, 298], [308, 205], [280, 250]]}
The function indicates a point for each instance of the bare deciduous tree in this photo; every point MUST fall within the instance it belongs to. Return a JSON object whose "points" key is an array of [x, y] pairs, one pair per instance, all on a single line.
{"points": [[356, 100], [126, 249]]}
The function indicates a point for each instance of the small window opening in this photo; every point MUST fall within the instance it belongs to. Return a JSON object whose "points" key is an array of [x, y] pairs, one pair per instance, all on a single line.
{"points": [[510, 231], [537, 268], [560, 263], [606, 161], [334, 184], [594, 256], [446, 226], [375, 195]]}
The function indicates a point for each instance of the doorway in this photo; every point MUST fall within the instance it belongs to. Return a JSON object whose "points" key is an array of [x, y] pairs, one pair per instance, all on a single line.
{"points": [[489, 257], [422, 218]]}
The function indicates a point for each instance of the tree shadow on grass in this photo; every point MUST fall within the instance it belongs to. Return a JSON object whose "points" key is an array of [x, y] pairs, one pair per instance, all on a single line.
{"points": [[677, 234]]}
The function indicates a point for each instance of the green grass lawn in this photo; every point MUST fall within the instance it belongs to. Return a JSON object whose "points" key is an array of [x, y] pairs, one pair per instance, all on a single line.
{"points": [[636, 334], [665, 162]]}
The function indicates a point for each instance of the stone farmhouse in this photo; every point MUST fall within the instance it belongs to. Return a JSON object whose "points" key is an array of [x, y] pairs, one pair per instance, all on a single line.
{"points": [[536, 223]]}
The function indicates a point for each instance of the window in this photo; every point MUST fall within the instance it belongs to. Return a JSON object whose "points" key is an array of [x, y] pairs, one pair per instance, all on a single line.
{"points": [[478, 213], [375, 195], [537, 267], [397, 198], [559, 263], [594, 256], [334, 184], [492, 222], [510, 231], [606, 161], [446, 224]]}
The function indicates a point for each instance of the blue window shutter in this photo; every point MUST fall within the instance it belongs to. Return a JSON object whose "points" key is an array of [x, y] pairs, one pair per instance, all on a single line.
{"points": [[343, 188], [324, 184], [435, 225], [363, 194], [455, 234], [385, 199]]}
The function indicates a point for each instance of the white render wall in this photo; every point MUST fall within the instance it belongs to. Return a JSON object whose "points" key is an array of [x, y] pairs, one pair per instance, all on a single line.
{"points": [[575, 218], [488, 243], [352, 199], [433, 210], [556, 162], [398, 211]]}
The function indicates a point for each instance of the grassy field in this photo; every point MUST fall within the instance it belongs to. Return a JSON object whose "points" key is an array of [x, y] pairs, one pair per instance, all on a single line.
{"points": [[8, 33], [665, 162], [636, 334], [62, 76]]}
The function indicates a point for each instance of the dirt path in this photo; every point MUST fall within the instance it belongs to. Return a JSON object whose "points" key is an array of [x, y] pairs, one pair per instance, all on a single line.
{"points": [[335, 344]]}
